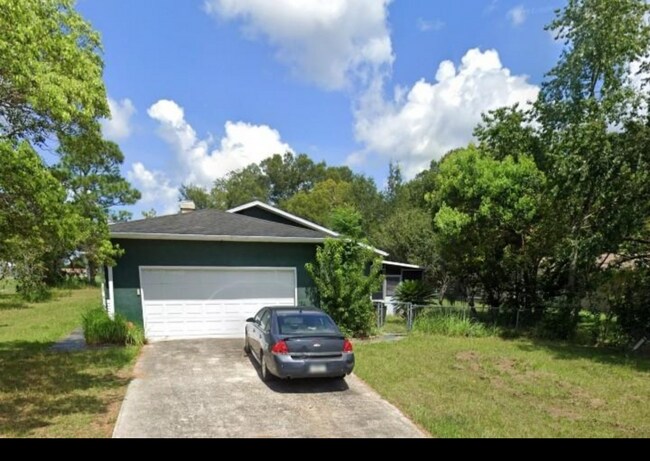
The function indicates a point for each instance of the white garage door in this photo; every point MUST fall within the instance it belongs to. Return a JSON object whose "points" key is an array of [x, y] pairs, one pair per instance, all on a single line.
{"points": [[209, 302]]}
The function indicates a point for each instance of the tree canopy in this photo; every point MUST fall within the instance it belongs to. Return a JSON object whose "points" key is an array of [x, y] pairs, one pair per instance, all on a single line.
{"points": [[50, 71], [52, 95]]}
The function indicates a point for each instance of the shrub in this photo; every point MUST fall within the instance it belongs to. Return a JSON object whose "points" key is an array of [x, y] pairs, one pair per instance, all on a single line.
{"points": [[630, 302], [411, 291], [134, 335], [346, 274], [100, 329], [30, 284], [72, 283], [452, 324], [599, 328], [558, 321]]}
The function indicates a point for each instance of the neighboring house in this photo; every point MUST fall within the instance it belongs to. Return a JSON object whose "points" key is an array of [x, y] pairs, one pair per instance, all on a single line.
{"points": [[394, 274], [202, 273]]}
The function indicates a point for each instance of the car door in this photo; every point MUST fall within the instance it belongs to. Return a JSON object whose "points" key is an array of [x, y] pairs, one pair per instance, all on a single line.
{"points": [[253, 332], [265, 330]]}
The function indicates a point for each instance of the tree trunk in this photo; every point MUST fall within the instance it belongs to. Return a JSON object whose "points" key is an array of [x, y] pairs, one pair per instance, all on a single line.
{"points": [[91, 272]]}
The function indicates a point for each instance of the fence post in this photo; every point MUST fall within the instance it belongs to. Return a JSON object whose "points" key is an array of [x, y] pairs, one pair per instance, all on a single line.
{"points": [[517, 320], [409, 316], [381, 318]]}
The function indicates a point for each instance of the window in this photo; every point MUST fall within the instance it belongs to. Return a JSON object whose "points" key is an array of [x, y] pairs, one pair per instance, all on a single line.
{"points": [[258, 316], [296, 323], [391, 284], [264, 321]]}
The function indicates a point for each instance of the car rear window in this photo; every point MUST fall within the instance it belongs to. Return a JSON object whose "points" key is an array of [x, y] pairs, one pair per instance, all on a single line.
{"points": [[305, 323]]}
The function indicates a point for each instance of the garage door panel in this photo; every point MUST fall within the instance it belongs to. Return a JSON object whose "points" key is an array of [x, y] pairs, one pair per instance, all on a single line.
{"points": [[209, 302], [220, 284]]}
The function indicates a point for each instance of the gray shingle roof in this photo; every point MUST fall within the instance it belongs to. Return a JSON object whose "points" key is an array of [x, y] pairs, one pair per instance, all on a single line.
{"points": [[213, 223]]}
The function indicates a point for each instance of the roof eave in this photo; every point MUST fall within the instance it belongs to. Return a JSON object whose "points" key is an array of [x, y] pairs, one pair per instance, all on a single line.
{"points": [[404, 265], [214, 238]]}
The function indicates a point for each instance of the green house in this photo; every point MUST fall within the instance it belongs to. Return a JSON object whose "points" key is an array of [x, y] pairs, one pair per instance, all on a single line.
{"points": [[202, 273]]}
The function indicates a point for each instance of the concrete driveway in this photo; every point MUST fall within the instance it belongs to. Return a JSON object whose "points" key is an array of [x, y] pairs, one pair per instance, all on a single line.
{"points": [[210, 388]]}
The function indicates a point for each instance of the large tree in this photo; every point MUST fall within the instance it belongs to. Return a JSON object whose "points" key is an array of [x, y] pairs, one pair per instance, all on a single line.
{"points": [[487, 215], [317, 204], [197, 194], [50, 70], [240, 187], [35, 219], [89, 169], [587, 108], [289, 174]]}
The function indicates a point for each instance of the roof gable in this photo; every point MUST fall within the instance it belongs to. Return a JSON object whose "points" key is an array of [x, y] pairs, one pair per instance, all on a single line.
{"points": [[297, 220], [261, 213]]}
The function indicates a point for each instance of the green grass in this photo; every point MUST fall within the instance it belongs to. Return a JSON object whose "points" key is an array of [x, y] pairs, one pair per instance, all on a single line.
{"points": [[491, 387], [452, 324], [394, 325], [49, 394]]}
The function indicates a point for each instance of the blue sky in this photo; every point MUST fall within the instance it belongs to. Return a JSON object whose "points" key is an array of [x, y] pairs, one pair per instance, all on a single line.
{"points": [[199, 88]]}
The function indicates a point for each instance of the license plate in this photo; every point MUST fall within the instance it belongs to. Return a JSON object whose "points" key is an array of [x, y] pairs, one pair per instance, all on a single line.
{"points": [[317, 369]]}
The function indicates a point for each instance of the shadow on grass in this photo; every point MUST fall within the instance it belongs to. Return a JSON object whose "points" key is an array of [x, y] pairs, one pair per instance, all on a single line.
{"points": [[604, 355], [38, 387], [11, 301]]}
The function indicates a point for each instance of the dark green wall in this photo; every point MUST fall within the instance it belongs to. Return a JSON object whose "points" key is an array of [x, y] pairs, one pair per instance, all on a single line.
{"points": [[261, 213], [126, 277]]}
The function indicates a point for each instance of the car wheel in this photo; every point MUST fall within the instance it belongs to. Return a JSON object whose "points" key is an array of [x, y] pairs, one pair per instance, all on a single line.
{"points": [[247, 347], [266, 375]]}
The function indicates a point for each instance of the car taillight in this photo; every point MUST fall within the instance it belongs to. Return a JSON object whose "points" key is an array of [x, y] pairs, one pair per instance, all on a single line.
{"points": [[280, 348], [347, 345]]}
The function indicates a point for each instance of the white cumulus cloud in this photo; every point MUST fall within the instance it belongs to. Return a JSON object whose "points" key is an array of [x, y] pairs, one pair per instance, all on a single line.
{"points": [[118, 127], [426, 121], [155, 188], [328, 42], [200, 161], [517, 15], [242, 144]]}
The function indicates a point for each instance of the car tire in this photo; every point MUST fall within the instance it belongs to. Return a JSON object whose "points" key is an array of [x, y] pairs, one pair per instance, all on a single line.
{"points": [[265, 373], [247, 347]]}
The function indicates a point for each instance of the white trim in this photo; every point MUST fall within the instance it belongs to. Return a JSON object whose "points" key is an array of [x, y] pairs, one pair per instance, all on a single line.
{"points": [[284, 214], [376, 250], [215, 268], [103, 286], [213, 238], [408, 266], [111, 294]]}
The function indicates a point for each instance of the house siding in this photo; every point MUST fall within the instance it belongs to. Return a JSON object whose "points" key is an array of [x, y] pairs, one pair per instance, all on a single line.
{"points": [[126, 275]]}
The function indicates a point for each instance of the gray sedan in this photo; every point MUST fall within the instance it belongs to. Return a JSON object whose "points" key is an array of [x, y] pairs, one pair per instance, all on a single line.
{"points": [[298, 342]]}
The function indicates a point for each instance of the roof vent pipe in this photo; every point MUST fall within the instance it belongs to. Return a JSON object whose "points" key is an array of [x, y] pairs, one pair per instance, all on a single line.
{"points": [[187, 206]]}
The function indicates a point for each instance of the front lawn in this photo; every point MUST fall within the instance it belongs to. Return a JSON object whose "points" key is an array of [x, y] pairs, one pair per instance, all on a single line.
{"points": [[394, 325], [490, 387], [49, 394]]}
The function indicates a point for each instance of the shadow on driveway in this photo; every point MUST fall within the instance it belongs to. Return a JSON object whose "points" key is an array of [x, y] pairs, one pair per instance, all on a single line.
{"points": [[300, 386]]}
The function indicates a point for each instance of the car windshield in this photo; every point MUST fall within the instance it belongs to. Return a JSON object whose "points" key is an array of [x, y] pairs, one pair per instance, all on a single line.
{"points": [[305, 323]]}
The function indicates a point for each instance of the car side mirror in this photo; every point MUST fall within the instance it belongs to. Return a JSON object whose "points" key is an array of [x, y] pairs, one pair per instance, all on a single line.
{"points": [[250, 320]]}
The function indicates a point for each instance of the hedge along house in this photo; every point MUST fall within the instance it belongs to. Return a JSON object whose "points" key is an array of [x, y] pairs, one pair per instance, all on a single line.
{"points": [[202, 273]]}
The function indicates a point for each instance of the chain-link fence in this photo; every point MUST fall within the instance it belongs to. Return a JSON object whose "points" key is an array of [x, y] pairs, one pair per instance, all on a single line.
{"points": [[407, 311]]}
